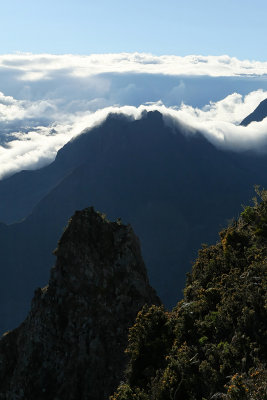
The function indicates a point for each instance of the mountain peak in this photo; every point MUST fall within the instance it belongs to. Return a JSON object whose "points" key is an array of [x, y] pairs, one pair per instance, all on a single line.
{"points": [[152, 115], [71, 344], [257, 115]]}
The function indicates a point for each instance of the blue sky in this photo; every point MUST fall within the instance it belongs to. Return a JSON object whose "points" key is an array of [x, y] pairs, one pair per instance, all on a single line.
{"points": [[234, 27]]}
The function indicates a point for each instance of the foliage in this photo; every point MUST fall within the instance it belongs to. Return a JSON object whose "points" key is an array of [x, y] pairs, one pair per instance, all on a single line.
{"points": [[124, 392], [150, 339], [214, 342]]}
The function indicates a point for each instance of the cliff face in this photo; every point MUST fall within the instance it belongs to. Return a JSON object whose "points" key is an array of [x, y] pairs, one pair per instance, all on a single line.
{"points": [[71, 344]]}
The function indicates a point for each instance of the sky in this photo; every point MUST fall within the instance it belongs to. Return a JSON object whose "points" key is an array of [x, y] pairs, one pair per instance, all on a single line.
{"points": [[209, 27], [64, 65]]}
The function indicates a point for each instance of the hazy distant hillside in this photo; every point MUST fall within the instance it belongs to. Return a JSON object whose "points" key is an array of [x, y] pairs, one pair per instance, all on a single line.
{"points": [[176, 189]]}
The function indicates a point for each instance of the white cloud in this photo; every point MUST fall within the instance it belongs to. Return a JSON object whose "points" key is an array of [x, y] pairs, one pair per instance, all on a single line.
{"points": [[218, 122], [71, 83], [47, 99], [37, 147], [40, 66], [233, 108], [12, 109]]}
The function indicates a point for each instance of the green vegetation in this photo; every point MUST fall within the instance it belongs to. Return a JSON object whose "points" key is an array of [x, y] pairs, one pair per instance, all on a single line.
{"points": [[213, 344]]}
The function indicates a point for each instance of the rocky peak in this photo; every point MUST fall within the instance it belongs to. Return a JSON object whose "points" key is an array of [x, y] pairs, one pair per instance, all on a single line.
{"points": [[71, 345]]}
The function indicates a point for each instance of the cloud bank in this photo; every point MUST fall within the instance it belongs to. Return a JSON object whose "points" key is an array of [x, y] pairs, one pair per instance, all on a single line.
{"points": [[35, 67], [218, 122], [45, 100]]}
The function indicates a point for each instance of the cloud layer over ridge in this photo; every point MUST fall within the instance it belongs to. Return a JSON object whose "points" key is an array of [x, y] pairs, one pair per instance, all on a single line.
{"points": [[46, 99], [218, 122]]}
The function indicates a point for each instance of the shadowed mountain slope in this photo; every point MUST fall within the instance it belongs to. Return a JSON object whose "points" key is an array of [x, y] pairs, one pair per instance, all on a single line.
{"points": [[257, 115], [174, 187]]}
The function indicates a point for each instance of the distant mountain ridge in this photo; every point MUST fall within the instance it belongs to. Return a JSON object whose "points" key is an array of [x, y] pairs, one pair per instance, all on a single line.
{"points": [[257, 115], [175, 190]]}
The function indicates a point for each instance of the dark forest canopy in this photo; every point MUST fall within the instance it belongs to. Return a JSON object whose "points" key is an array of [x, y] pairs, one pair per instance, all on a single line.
{"points": [[213, 344]]}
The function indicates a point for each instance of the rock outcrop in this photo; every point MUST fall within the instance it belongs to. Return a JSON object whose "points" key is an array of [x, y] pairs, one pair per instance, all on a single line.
{"points": [[71, 345]]}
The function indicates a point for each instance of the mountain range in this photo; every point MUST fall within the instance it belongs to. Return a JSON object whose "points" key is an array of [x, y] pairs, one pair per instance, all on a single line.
{"points": [[172, 185]]}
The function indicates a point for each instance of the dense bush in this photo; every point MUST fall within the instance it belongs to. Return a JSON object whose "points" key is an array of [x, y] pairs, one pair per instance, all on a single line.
{"points": [[214, 342]]}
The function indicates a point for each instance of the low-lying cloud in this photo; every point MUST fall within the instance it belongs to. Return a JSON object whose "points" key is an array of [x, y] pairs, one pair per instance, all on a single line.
{"points": [[218, 122], [45, 100]]}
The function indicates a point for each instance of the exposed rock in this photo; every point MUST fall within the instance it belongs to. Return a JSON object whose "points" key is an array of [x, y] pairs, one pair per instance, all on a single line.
{"points": [[71, 345]]}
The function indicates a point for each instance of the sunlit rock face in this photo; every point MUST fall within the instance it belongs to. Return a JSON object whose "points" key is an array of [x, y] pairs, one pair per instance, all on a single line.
{"points": [[71, 345]]}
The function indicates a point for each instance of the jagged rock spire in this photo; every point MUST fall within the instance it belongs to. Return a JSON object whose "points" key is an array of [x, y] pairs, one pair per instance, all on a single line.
{"points": [[71, 345]]}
